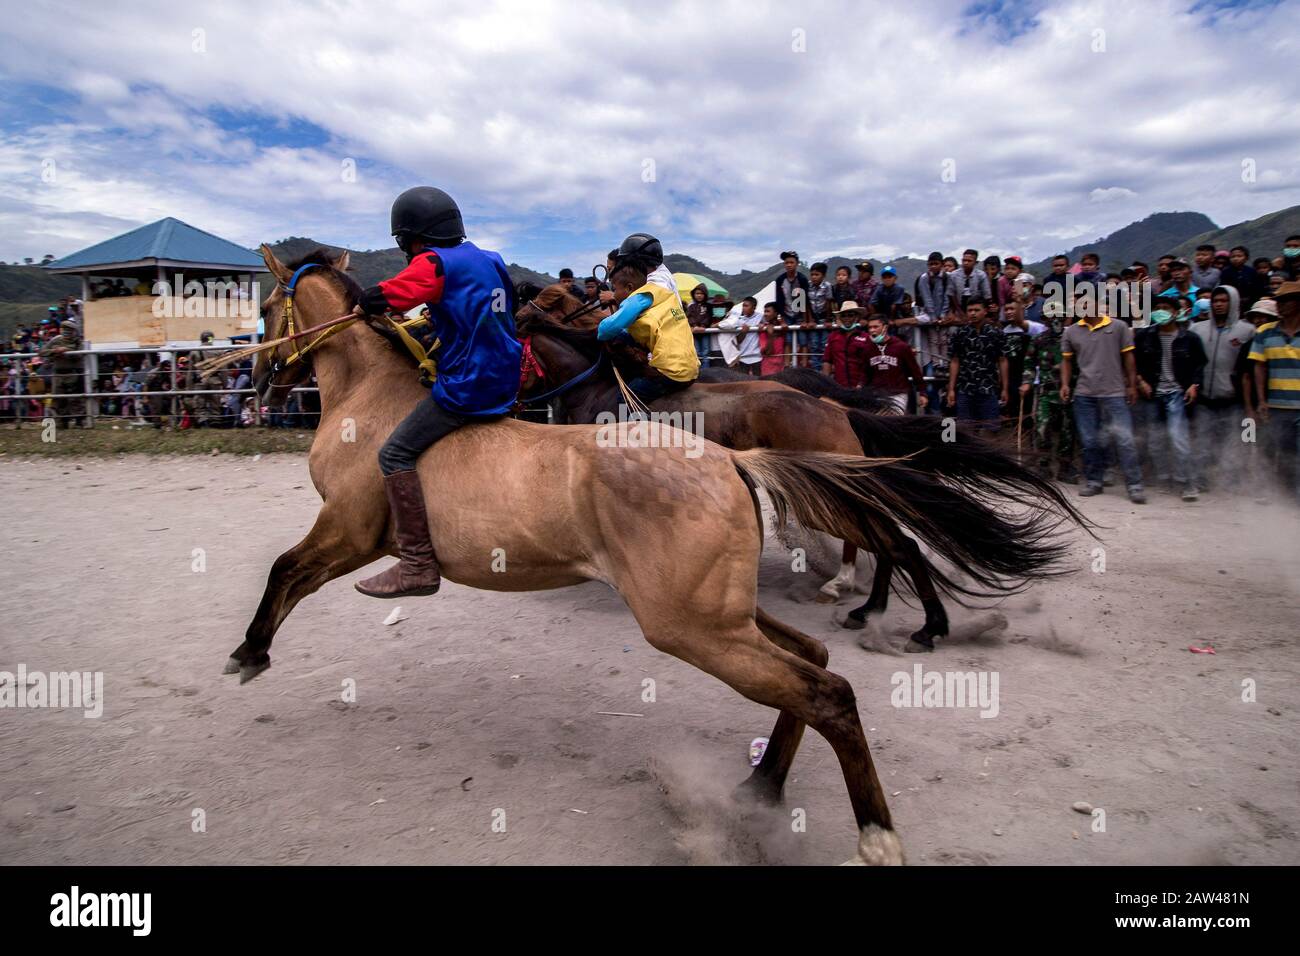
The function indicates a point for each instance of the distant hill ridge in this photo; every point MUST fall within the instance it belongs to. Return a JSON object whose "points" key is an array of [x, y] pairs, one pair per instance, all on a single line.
{"points": [[26, 291]]}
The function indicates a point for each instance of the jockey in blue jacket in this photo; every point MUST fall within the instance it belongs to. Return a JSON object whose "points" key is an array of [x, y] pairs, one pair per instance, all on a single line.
{"points": [[471, 308]]}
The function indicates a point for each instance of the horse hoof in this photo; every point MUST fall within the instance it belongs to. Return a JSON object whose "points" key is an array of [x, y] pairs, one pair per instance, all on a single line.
{"points": [[913, 646], [248, 671], [232, 667], [852, 623], [758, 790], [825, 597], [877, 847]]}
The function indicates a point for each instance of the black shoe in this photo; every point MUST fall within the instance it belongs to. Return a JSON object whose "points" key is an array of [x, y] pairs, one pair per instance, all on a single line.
{"points": [[1087, 491]]}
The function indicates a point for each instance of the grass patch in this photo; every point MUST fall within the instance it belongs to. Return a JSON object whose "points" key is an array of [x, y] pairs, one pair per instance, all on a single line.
{"points": [[103, 441]]}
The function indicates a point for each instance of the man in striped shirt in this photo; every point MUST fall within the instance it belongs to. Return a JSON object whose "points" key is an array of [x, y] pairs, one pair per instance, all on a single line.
{"points": [[1275, 350]]}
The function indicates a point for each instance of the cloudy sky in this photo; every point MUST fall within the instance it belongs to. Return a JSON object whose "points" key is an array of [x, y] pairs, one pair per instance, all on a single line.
{"points": [[731, 130]]}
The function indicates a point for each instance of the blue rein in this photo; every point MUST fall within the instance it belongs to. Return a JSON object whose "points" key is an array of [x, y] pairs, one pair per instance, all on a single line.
{"points": [[571, 383]]}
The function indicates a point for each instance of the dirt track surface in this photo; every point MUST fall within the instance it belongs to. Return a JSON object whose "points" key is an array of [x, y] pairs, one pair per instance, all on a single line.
{"points": [[483, 708]]}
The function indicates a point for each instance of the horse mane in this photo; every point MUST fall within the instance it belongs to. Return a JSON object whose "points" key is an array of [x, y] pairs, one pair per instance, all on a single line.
{"points": [[352, 292], [320, 256], [535, 320]]}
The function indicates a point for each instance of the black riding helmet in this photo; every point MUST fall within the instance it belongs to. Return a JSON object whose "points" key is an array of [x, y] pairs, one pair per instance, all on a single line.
{"points": [[425, 212], [640, 249]]}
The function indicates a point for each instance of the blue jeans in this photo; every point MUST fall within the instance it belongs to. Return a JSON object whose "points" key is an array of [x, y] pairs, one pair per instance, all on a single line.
{"points": [[702, 345], [983, 410], [1163, 421], [817, 345], [1097, 421]]}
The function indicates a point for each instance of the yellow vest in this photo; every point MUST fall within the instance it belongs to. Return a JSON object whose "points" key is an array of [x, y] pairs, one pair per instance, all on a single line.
{"points": [[663, 330]]}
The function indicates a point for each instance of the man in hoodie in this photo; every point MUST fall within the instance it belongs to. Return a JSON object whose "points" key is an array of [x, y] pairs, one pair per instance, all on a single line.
{"points": [[1170, 361], [1218, 419]]}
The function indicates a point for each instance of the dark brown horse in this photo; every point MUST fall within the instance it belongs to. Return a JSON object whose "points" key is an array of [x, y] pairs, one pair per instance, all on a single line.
{"points": [[565, 362]]}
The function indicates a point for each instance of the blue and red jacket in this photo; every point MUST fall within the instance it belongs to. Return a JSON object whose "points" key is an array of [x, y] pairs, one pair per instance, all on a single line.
{"points": [[471, 305]]}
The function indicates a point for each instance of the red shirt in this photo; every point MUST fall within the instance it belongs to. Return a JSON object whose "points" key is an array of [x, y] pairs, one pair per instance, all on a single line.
{"points": [[836, 357], [891, 367]]}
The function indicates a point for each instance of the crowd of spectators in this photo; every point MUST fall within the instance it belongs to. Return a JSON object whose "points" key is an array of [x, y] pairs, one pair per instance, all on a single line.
{"points": [[1178, 375]]}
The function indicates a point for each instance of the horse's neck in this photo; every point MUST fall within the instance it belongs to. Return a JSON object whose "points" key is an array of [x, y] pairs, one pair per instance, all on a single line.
{"points": [[351, 358], [582, 403]]}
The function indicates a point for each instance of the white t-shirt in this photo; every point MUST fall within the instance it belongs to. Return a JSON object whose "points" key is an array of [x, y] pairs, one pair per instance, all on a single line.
{"points": [[662, 277], [748, 349]]}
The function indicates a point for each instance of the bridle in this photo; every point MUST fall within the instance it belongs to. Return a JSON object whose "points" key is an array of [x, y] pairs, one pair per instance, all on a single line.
{"points": [[291, 287], [530, 362]]}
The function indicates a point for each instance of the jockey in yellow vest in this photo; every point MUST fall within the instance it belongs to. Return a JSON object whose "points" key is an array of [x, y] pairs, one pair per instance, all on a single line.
{"points": [[650, 311]]}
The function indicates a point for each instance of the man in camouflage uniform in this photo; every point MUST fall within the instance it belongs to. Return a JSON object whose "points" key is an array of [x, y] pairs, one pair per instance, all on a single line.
{"points": [[1053, 422], [205, 410], [69, 378]]}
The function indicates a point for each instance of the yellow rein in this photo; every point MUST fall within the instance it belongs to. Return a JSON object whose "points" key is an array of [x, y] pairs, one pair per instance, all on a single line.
{"points": [[418, 352]]}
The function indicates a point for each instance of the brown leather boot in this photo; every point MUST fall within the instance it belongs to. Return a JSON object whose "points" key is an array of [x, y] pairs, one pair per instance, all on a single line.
{"points": [[416, 572]]}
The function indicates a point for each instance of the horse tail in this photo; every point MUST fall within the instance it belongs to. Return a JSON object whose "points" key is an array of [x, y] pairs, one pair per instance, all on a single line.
{"points": [[817, 385], [870, 502], [964, 460]]}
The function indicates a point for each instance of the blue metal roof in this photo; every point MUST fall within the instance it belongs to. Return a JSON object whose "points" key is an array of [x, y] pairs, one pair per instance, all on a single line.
{"points": [[167, 239]]}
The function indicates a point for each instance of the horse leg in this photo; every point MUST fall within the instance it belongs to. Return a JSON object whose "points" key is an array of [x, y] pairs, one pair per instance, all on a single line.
{"points": [[936, 618], [842, 583], [325, 554], [768, 779], [878, 599], [751, 664]]}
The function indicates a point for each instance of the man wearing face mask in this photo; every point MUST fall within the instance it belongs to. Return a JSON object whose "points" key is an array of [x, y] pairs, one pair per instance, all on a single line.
{"points": [[887, 363], [1218, 418], [1170, 362], [1291, 258]]}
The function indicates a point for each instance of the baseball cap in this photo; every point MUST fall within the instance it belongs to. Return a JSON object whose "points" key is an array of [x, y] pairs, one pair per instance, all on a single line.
{"points": [[889, 271]]}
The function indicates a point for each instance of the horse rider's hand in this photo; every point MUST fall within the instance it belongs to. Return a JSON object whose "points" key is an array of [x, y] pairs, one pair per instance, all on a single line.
{"points": [[1065, 393]]}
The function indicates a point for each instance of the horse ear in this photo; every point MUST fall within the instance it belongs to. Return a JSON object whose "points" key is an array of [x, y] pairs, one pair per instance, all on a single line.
{"points": [[343, 262], [274, 265]]}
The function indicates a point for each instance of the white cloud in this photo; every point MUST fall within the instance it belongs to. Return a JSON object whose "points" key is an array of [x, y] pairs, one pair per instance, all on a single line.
{"points": [[1111, 194], [540, 116]]}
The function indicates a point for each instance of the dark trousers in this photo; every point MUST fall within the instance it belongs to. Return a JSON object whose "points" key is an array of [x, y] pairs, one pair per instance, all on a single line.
{"points": [[981, 410], [428, 422], [652, 386]]}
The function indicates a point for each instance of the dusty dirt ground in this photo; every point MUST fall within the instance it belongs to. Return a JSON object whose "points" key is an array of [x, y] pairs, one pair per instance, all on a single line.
{"points": [[482, 708]]}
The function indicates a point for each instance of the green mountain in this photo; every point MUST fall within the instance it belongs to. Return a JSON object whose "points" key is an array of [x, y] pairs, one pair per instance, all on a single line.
{"points": [[1147, 240], [27, 291], [369, 267], [1263, 236]]}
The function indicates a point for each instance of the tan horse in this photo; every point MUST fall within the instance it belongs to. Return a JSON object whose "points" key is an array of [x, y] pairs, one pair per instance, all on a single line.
{"points": [[678, 537]]}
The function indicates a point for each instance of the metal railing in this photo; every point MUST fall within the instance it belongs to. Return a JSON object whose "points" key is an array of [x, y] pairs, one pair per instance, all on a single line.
{"points": [[90, 374]]}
